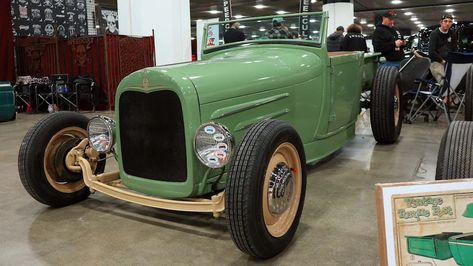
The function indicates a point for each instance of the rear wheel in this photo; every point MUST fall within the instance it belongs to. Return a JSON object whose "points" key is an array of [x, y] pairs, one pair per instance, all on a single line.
{"points": [[265, 189], [386, 113], [41, 160], [455, 155], [469, 95]]}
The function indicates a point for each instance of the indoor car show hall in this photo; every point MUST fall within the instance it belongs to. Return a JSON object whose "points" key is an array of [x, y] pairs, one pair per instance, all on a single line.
{"points": [[216, 132]]}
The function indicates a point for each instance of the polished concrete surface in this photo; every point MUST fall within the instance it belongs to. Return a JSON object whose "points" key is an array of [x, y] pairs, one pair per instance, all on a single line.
{"points": [[338, 225]]}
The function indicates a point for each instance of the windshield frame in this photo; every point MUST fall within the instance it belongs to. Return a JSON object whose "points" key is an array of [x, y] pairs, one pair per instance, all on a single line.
{"points": [[320, 43]]}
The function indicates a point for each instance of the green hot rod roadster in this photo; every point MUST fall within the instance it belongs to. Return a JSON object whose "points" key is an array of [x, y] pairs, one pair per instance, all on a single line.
{"points": [[230, 134]]}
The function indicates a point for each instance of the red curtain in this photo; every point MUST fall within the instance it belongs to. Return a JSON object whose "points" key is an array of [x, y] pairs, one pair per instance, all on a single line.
{"points": [[6, 42]]}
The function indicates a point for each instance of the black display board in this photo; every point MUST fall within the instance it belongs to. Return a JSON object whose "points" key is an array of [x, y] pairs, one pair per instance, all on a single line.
{"points": [[64, 18]]}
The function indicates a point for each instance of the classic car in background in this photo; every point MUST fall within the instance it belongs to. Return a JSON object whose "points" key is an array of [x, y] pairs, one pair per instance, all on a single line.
{"points": [[231, 133]]}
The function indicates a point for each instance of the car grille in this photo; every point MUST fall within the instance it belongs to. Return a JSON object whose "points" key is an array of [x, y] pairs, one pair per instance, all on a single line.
{"points": [[152, 136]]}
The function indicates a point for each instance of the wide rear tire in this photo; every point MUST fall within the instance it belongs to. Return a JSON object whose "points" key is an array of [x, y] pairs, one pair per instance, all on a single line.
{"points": [[386, 112], [455, 157], [265, 190], [41, 159], [469, 95]]}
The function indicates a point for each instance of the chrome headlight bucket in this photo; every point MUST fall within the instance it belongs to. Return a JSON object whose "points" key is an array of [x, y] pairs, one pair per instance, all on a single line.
{"points": [[100, 132], [213, 144]]}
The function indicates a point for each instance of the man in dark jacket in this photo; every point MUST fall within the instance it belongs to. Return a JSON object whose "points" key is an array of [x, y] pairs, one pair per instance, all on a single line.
{"points": [[354, 40], [442, 40], [334, 40], [389, 41], [233, 34]]}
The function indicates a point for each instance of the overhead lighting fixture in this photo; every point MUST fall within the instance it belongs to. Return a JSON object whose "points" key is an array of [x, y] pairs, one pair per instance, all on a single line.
{"points": [[315, 31], [363, 21], [396, 2], [449, 10], [242, 26], [262, 29], [254, 36], [293, 26], [199, 19], [213, 12], [281, 12], [408, 13], [370, 25], [192, 38], [238, 16], [260, 6], [414, 19], [417, 22], [313, 1], [312, 20], [420, 26]]}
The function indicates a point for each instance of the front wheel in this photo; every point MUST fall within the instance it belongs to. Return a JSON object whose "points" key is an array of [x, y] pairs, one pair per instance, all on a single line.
{"points": [[41, 160], [469, 95], [265, 189], [386, 113]]}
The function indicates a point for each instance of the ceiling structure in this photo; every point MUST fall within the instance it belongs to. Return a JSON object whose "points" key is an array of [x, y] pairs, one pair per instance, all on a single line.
{"points": [[422, 13]]}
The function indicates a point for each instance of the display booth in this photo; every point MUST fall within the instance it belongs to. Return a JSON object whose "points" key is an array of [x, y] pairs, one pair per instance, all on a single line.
{"points": [[105, 59]]}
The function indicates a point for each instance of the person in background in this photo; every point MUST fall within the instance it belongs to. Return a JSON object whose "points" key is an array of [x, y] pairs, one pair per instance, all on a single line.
{"points": [[389, 41], [234, 34], [442, 40], [354, 40], [334, 40], [279, 30]]}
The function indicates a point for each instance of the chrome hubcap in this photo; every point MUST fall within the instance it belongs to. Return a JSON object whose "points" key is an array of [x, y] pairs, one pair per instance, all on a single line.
{"points": [[281, 189]]}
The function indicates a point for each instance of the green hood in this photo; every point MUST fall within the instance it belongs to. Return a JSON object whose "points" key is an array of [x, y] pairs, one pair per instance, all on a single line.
{"points": [[249, 70]]}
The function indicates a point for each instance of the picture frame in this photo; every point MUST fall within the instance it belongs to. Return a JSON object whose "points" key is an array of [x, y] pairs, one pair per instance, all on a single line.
{"points": [[419, 223]]}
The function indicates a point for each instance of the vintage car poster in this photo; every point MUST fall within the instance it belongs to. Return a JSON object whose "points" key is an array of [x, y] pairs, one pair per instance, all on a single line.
{"points": [[431, 223]]}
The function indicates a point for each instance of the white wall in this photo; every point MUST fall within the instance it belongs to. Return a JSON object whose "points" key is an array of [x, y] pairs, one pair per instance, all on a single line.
{"points": [[340, 14], [170, 20]]}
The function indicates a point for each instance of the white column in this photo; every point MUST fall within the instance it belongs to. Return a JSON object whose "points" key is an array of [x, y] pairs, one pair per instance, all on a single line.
{"points": [[170, 21], [340, 13]]}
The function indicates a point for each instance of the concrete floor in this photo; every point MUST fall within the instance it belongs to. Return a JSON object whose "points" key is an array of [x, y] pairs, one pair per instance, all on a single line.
{"points": [[338, 225]]}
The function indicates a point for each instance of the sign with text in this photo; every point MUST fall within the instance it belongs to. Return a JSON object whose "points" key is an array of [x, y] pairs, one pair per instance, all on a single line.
{"points": [[426, 223]]}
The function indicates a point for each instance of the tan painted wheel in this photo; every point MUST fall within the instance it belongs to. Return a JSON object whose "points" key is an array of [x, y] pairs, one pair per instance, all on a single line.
{"points": [[282, 189], [54, 160], [42, 164]]}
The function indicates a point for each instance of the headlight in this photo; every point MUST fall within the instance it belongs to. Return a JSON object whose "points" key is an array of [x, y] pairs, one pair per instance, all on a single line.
{"points": [[213, 145], [100, 130]]}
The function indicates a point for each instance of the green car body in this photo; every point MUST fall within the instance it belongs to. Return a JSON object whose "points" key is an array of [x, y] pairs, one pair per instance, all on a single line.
{"points": [[238, 85]]}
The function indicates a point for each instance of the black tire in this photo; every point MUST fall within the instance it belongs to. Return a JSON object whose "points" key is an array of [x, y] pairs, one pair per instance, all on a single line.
{"points": [[248, 199], [455, 155], [386, 108], [469, 95], [54, 185]]}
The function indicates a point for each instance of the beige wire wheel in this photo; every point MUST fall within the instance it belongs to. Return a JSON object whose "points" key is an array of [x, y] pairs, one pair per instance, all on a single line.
{"points": [[42, 159], [282, 189], [265, 189]]}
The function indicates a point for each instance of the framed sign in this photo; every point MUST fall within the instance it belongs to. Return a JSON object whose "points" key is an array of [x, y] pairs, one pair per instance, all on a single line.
{"points": [[425, 223]]}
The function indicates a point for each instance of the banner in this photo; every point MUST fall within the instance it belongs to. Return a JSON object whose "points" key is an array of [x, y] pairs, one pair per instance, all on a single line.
{"points": [[304, 26], [227, 11]]}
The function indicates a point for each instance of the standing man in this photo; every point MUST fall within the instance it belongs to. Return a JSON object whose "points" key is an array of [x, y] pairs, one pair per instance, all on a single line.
{"points": [[334, 40], [389, 41], [234, 34], [442, 40]]}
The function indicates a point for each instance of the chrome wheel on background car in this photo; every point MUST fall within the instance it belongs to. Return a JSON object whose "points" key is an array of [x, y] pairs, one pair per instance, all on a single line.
{"points": [[265, 190]]}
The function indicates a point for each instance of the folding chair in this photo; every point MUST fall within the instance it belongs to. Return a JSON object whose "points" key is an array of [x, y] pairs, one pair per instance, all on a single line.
{"points": [[85, 89], [44, 94], [23, 94], [66, 98]]}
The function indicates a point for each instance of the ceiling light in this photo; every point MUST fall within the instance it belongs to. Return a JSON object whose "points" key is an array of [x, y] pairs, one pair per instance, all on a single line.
{"points": [[313, 1], [370, 25], [313, 20], [449, 10], [417, 22], [396, 2], [213, 11], [192, 38], [262, 29], [254, 36], [363, 21], [260, 6], [238, 16], [315, 31], [293, 26], [281, 12], [408, 13], [242, 26], [414, 19], [199, 19], [420, 26]]}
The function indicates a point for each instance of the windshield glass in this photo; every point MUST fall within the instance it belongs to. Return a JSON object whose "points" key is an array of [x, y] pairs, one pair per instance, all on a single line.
{"points": [[281, 28]]}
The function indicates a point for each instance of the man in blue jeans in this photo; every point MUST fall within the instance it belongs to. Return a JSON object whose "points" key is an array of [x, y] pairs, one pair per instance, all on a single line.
{"points": [[388, 41]]}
